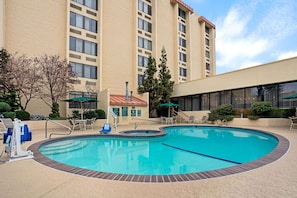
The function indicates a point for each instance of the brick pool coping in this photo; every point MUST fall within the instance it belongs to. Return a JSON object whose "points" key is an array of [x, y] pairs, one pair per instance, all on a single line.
{"points": [[278, 152]]}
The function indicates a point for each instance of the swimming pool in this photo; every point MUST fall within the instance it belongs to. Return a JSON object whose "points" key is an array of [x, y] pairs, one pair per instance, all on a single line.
{"points": [[186, 152]]}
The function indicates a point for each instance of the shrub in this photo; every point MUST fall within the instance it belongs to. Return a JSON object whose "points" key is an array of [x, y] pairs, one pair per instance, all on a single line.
{"points": [[22, 115], [90, 114], [213, 116], [225, 109], [253, 117], [100, 114], [289, 112], [4, 107], [227, 117], [276, 113], [223, 112], [55, 111], [9, 115], [261, 108], [75, 114]]}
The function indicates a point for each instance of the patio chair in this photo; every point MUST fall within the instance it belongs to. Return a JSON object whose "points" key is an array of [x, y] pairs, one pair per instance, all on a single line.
{"points": [[191, 119], [74, 124], [203, 120], [293, 122], [163, 120], [90, 123], [174, 119]]}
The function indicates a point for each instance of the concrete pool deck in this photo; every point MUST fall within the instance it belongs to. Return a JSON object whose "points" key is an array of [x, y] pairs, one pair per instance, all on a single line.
{"points": [[28, 178]]}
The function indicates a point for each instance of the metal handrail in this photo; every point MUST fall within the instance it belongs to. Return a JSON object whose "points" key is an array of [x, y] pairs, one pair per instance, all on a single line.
{"points": [[56, 133]]}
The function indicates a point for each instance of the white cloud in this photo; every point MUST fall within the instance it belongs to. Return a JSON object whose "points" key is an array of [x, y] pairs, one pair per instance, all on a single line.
{"points": [[287, 55], [250, 30]]}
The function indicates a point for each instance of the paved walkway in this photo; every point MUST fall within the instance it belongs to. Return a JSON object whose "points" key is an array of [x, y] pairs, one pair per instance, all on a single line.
{"points": [[28, 178]]}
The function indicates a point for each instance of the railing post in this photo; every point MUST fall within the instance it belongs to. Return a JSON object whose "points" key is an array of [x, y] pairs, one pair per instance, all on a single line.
{"points": [[46, 128]]}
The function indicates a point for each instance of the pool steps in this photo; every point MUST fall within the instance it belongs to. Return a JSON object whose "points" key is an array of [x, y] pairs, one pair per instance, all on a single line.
{"points": [[63, 147]]}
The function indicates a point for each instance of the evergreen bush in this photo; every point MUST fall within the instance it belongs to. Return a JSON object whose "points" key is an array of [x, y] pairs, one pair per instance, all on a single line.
{"points": [[100, 114], [9, 115], [261, 108], [4, 107], [22, 115]]}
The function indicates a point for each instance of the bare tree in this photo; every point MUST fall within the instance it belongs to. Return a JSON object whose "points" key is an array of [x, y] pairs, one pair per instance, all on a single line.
{"points": [[57, 76], [26, 77]]}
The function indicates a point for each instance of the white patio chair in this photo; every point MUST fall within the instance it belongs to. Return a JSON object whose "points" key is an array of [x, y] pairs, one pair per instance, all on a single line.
{"points": [[293, 122]]}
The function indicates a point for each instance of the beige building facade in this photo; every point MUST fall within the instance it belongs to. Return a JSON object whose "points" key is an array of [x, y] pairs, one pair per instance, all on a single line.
{"points": [[108, 43]]}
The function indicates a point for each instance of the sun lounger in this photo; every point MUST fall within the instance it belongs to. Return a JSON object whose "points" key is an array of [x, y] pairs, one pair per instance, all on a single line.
{"points": [[5, 124], [74, 124]]}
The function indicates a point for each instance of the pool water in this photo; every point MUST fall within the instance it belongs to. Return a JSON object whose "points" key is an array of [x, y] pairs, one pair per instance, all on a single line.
{"points": [[185, 149]]}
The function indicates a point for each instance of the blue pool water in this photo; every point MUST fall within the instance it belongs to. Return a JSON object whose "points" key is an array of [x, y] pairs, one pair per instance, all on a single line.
{"points": [[185, 149]]}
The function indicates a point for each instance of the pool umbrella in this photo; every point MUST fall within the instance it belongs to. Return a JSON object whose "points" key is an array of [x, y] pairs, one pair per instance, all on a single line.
{"points": [[290, 96], [169, 105], [81, 100]]}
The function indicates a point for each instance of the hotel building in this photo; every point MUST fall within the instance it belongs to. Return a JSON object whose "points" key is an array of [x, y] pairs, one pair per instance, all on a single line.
{"points": [[108, 44]]}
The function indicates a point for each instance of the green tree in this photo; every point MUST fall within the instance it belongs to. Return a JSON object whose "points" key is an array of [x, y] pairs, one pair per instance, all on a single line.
{"points": [[150, 85], [165, 88], [5, 77]]}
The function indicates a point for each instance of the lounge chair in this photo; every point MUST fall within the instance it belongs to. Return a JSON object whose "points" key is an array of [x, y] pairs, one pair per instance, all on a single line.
{"points": [[106, 128], [293, 122], [5, 124], [74, 124]]}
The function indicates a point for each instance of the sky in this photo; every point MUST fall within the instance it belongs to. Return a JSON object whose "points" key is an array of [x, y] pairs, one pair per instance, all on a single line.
{"points": [[250, 32]]}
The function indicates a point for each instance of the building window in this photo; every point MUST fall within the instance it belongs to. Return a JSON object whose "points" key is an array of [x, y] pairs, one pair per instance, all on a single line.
{"points": [[182, 27], [144, 7], [124, 111], [139, 113], [206, 29], [142, 61], [84, 71], [83, 22], [207, 41], [144, 25], [182, 57], [140, 79], [89, 3], [133, 112], [182, 42], [76, 44], [116, 111], [83, 46], [183, 72], [207, 66], [207, 54], [144, 43], [181, 13]]}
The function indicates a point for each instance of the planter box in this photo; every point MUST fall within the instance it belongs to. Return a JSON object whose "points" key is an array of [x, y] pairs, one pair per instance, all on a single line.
{"points": [[261, 122]]}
